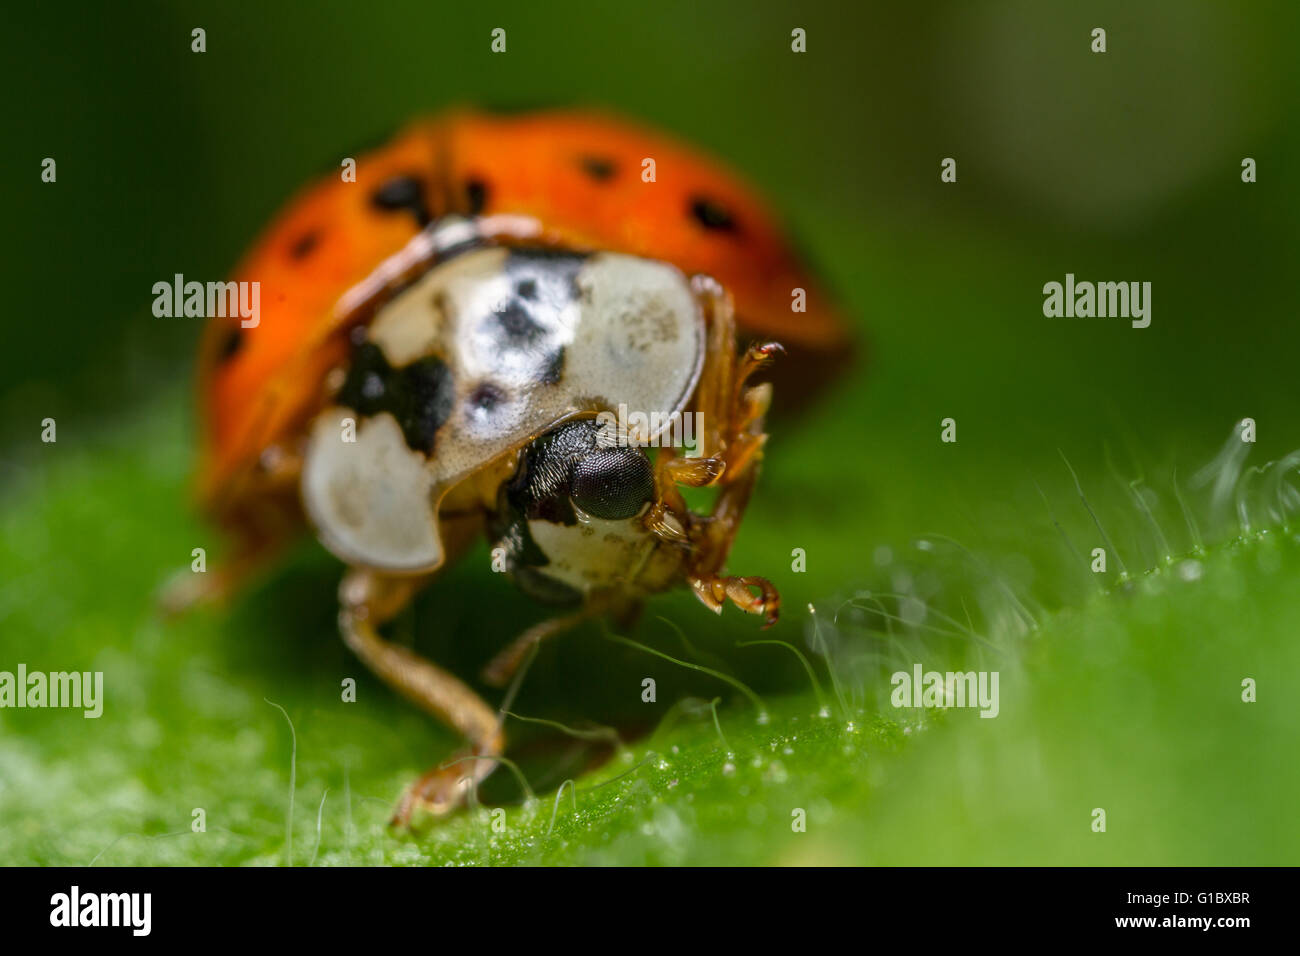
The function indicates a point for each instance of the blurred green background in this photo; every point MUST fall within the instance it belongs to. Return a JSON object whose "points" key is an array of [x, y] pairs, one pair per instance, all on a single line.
{"points": [[1119, 166]]}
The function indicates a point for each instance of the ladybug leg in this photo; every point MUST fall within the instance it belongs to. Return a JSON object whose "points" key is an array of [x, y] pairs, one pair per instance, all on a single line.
{"points": [[734, 437], [713, 397], [714, 591], [712, 542], [504, 666], [732, 411], [713, 402], [671, 471], [367, 600]]}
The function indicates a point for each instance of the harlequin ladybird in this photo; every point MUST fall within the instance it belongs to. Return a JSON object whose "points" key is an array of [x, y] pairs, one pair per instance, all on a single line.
{"points": [[440, 347]]}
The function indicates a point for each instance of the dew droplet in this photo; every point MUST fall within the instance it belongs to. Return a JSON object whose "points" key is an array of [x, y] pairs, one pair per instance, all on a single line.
{"points": [[912, 611]]}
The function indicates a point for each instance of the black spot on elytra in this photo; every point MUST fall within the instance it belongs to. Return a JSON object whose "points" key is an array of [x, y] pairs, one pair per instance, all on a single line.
{"points": [[419, 396], [476, 196], [231, 343], [598, 168], [402, 193], [302, 246], [711, 214], [545, 273]]}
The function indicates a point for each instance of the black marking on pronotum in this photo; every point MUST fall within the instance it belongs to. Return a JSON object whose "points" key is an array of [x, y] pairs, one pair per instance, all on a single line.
{"points": [[711, 214], [366, 385], [517, 324], [526, 254], [231, 343], [598, 168], [486, 397], [544, 285], [554, 370], [476, 196], [419, 396], [403, 193], [304, 244], [429, 387], [537, 270]]}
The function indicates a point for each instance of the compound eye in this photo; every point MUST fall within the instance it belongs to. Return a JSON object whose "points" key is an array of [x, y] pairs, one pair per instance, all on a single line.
{"points": [[612, 483]]}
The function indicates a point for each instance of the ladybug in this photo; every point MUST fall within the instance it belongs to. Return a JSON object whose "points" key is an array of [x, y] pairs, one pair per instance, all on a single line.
{"points": [[443, 347]]}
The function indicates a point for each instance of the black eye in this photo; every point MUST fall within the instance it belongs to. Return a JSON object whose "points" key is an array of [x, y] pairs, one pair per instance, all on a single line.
{"points": [[612, 483]]}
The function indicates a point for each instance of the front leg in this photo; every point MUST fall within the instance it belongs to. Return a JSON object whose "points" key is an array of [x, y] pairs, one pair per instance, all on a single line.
{"points": [[712, 538], [367, 600], [731, 447], [506, 664]]}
